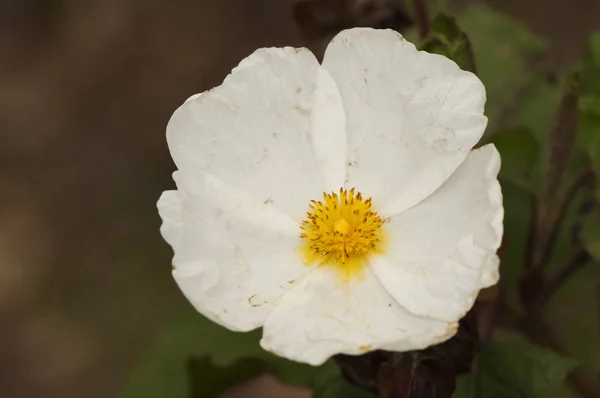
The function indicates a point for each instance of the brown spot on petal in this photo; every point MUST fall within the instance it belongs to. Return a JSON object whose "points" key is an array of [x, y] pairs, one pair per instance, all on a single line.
{"points": [[252, 303], [302, 111], [452, 329]]}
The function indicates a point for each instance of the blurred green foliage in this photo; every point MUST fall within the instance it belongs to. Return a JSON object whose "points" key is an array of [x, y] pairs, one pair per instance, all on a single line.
{"points": [[192, 344], [589, 104], [515, 368], [209, 380], [589, 134], [331, 384], [162, 372], [590, 234], [450, 41], [519, 151], [504, 52]]}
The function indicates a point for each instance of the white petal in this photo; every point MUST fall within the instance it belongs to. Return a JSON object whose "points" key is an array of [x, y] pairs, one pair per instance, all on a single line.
{"points": [[235, 257], [490, 272], [412, 117], [256, 131], [323, 316], [329, 132], [438, 248], [169, 208], [193, 97]]}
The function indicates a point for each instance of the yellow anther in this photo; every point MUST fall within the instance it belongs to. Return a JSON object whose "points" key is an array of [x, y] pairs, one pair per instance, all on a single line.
{"points": [[341, 231]]}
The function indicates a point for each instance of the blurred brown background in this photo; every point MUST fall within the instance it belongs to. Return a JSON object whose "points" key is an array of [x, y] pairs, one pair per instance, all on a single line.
{"points": [[86, 89]]}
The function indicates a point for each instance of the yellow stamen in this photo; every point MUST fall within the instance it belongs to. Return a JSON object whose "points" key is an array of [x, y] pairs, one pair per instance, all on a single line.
{"points": [[341, 231]]}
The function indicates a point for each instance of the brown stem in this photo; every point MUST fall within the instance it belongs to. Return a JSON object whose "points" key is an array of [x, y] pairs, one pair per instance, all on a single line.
{"points": [[572, 264], [422, 17], [488, 312], [535, 300], [532, 232], [561, 138], [548, 244], [598, 320]]}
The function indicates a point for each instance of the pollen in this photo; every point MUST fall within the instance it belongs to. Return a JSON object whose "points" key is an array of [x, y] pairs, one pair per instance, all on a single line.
{"points": [[341, 231]]}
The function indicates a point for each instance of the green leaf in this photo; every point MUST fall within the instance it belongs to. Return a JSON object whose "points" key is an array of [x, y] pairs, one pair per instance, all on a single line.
{"points": [[293, 373], [447, 39], [535, 111], [589, 104], [503, 49], [162, 372], [515, 368], [208, 380], [590, 234], [445, 26], [526, 368], [331, 384], [519, 151], [466, 387]]}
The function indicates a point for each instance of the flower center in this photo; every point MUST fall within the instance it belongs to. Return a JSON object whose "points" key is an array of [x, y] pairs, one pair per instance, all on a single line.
{"points": [[341, 230]]}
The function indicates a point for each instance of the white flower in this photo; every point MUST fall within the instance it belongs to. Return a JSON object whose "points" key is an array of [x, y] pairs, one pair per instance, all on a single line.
{"points": [[257, 153]]}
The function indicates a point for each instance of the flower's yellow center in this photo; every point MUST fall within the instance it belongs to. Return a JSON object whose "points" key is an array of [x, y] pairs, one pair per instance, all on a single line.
{"points": [[342, 231]]}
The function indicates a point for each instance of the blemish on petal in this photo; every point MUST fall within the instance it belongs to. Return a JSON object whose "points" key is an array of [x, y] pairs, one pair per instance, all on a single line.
{"points": [[453, 327], [268, 201], [440, 144], [265, 156], [302, 111], [364, 348], [451, 331], [252, 303]]}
